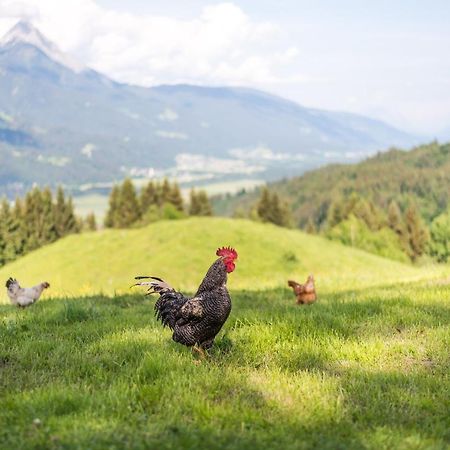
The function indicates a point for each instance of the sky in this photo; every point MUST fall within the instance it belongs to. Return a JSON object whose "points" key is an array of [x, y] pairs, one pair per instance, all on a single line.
{"points": [[385, 59]]}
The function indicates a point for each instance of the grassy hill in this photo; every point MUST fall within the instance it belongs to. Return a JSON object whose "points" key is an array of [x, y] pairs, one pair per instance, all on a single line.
{"points": [[181, 252]]}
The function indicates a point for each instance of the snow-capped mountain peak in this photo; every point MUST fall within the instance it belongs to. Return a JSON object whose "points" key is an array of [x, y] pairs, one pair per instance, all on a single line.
{"points": [[25, 32]]}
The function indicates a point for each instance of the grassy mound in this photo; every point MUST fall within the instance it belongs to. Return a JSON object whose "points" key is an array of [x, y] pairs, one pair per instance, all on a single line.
{"points": [[181, 252]]}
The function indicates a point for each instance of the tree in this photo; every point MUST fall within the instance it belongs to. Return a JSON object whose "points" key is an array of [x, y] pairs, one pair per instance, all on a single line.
{"points": [[174, 197], [128, 210], [440, 238], [271, 209], [164, 190], [149, 196], [199, 204], [416, 232], [264, 205], [49, 232], [65, 219], [90, 222], [113, 209], [395, 220]]}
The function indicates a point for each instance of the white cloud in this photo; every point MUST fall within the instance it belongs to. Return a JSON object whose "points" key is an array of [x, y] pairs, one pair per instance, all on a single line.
{"points": [[88, 150], [168, 115], [221, 45], [57, 161], [172, 135]]}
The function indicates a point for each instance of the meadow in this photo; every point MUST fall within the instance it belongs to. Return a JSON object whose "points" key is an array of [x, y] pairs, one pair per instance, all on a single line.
{"points": [[367, 366]]}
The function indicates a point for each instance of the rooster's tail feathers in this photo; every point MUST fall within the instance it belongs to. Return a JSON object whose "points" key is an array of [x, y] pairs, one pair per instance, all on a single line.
{"points": [[158, 286]]}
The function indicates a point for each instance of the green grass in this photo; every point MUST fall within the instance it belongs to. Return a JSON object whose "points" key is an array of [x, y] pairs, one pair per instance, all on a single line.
{"points": [[365, 368], [181, 252]]}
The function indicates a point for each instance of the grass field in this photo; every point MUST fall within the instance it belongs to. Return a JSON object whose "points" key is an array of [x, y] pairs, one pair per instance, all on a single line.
{"points": [[359, 369], [367, 366]]}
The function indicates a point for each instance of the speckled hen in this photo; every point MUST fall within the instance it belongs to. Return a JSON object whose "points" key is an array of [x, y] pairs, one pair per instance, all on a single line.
{"points": [[196, 321]]}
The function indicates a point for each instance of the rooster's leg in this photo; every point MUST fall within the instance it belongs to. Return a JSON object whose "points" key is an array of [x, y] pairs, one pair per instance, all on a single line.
{"points": [[200, 351]]}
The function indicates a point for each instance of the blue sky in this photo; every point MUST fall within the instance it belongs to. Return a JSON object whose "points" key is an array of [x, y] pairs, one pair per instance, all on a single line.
{"points": [[389, 60]]}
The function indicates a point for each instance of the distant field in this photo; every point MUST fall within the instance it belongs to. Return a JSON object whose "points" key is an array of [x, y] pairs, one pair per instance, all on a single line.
{"points": [[360, 369], [98, 203], [181, 252]]}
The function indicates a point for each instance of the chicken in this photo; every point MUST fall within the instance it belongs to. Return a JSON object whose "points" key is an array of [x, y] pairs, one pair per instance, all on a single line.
{"points": [[23, 297], [305, 293], [196, 321]]}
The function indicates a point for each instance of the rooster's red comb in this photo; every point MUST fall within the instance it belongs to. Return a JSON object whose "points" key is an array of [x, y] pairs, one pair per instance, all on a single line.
{"points": [[227, 252]]}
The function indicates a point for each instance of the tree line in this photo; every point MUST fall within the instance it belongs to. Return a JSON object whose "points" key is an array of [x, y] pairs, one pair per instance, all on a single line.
{"points": [[155, 201], [36, 220]]}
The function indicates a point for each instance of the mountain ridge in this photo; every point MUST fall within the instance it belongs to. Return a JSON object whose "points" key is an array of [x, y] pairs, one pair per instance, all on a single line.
{"points": [[140, 132]]}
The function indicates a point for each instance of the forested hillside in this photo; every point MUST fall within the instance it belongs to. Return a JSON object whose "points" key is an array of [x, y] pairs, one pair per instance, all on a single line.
{"points": [[397, 189]]}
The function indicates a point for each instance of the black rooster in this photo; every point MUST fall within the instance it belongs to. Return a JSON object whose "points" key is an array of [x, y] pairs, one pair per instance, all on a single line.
{"points": [[196, 321]]}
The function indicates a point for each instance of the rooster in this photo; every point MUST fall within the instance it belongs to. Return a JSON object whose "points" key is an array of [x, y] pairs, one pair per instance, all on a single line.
{"points": [[23, 297], [305, 293], [196, 321]]}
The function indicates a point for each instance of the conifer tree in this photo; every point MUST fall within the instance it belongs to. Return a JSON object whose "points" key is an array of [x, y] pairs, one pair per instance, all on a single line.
{"points": [[90, 222], [263, 206], [32, 219], [165, 189], [128, 206], [113, 208], [395, 220], [416, 232], [199, 204], [148, 196], [174, 197], [48, 232]]}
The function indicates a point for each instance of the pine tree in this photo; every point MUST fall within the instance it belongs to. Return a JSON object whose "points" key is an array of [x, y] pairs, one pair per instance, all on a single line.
{"points": [[199, 204], [395, 220], [165, 189], [4, 218], [336, 213], [90, 222], [33, 218], [205, 205], [416, 232], [113, 209], [174, 197], [149, 196], [49, 232], [65, 219], [263, 206], [194, 206], [128, 206]]}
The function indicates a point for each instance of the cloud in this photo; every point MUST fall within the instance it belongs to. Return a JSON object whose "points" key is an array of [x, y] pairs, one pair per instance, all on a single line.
{"points": [[168, 115], [88, 149], [172, 135], [222, 44]]}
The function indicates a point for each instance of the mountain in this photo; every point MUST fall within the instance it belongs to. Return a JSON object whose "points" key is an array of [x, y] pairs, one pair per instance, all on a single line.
{"points": [[420, 176], [66, 123]]}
